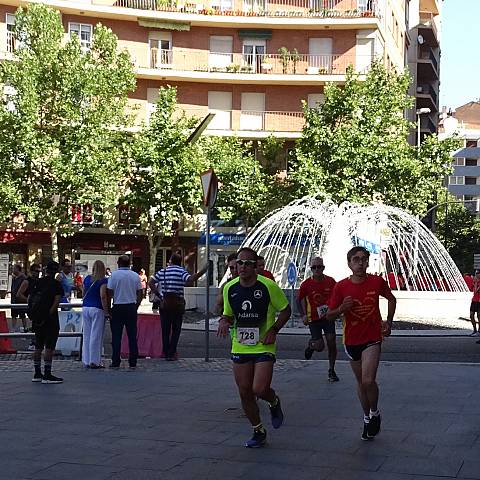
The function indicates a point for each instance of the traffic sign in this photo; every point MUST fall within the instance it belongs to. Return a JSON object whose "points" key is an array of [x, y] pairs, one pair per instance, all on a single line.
{"points": [[292, 273]]}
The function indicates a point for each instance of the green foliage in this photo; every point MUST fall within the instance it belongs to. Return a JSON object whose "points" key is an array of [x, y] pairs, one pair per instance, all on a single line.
{"points": [[164, 184], [458, 230], [271, 149], [355, 146], [61, 140], [245, 187]]}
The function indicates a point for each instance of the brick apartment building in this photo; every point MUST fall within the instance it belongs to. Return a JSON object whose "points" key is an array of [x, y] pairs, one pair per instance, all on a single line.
{"points": [[251, 62]]}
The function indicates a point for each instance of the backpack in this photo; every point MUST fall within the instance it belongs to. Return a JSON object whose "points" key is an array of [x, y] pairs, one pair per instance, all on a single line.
{"points": [[38, 309]]}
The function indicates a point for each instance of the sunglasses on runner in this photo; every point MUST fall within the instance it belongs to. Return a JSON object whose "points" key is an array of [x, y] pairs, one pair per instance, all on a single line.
{"points": [[314, 267], [246, 262]]}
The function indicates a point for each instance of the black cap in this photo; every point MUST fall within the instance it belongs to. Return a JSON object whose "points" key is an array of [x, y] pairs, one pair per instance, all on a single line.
{"points": [[52, 267]]}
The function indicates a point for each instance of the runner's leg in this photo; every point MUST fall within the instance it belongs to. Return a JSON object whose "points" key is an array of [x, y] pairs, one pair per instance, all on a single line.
{"points": [[262, 379], [370, 361], [332, 349], [362, 395], [472, 320], [244, 374]]}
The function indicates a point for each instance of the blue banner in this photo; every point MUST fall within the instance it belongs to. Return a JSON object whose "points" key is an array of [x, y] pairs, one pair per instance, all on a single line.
{"points": [[222, 239]]}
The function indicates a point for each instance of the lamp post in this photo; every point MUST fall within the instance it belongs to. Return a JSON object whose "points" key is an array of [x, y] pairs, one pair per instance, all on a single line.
{"points": [[420, 111], [210, 189]]}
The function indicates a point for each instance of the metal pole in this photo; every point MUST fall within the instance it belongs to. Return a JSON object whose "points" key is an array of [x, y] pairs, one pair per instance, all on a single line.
{"points": [[418, 131], [207, 300]]}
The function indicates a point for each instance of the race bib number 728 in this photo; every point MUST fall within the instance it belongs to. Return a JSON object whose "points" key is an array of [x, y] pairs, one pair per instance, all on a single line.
{"points": [[248, 335]]}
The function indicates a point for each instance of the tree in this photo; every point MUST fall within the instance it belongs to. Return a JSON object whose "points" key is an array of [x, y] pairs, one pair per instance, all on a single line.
{"points": [[164, 184], [355, 146], [62, 116], [245, 188], [458, 230]]}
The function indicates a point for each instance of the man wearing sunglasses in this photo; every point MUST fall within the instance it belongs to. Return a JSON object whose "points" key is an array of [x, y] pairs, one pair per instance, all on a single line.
{"points": [[312, 299], [250, 304], [357, 298]]}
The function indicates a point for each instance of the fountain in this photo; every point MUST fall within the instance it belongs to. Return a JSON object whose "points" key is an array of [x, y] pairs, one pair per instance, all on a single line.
{"points": [[402, 250]]}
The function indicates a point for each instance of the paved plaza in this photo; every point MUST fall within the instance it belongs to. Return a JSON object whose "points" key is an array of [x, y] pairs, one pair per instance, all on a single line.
{"points": [[181, 420]]}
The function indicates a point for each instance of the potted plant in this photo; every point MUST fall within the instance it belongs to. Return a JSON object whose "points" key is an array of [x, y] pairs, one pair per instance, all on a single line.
{"points": [[284, 58], [295, 57]]}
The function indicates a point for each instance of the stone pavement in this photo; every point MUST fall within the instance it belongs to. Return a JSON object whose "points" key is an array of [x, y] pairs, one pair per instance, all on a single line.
{"points": [[181, 420]]}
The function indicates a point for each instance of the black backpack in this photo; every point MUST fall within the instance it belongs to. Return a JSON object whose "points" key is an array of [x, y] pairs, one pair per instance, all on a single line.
{"points": [[38, 307]]}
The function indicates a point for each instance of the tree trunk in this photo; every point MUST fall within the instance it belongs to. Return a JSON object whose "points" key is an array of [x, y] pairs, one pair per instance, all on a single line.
{"points": [[154, 245], [54, 239]]}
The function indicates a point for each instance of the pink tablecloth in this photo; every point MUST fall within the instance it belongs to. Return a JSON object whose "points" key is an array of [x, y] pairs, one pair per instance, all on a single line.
{"points": [[149, 337]]}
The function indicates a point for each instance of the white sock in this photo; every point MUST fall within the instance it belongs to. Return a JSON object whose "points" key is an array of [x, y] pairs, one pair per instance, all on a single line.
{"points": [[375, 413], [366, 418]]}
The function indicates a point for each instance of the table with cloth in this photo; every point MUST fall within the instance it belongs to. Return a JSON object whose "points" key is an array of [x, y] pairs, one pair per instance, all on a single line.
{"points": [[149, 336]]}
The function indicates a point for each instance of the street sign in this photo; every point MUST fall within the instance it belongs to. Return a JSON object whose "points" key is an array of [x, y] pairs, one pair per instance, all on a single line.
{"points": [[476, 261], [210, 187], [292, 273]]}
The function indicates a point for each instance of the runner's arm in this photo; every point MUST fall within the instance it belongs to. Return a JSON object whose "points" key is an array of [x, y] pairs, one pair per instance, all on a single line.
{"points": [[105, 300], [334, 313], [224, 325], [272, 332]]}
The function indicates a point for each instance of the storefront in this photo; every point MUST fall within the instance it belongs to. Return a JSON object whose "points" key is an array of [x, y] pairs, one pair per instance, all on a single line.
{"points": [[222, 244]]}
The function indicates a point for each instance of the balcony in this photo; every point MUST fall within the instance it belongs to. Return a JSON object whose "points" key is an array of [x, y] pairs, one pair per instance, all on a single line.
{"points": [[250, 123], [248, 68], [427, 97], [263, 8], [427, 64], [428, 28]]}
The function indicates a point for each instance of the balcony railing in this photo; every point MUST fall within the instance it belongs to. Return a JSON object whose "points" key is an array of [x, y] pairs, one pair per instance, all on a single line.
{"points": [[427, 54], [269, 8], [428, 90], [248, 120], [428, 20], [234, 63]]}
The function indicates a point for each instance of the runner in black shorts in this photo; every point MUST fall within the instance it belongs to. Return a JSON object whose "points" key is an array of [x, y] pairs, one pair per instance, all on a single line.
{"points": [[250, 304]]}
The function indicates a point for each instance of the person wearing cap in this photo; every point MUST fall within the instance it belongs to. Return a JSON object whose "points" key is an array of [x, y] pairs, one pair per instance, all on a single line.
{"points": [[43, 300]]}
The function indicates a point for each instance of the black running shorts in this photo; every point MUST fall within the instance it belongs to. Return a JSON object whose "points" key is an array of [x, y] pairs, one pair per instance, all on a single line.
{"points": [[253, 357], [475, 307], [354, 352], [317, 327], [46, 335]]}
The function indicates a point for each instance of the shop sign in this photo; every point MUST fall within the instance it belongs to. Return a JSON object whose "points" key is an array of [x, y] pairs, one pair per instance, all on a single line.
{"points": [[4, 262], [233, 239]]}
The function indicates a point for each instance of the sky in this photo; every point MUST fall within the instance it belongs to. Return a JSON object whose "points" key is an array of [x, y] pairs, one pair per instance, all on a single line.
{"points": [[460, 46]]}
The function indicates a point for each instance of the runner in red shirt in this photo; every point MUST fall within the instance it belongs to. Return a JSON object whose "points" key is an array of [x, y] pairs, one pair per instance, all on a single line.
{"points": [[312, 300], [475, 305], [261, 269], [357, 297]]}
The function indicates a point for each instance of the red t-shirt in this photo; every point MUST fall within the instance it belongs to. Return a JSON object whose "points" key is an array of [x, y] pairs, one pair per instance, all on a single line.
{"points": [[476, 290], [268, 274], [469, 281], [316, 293], [363, 322]]}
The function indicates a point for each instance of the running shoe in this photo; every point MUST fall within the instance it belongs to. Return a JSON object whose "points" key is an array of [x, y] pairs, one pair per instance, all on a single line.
{"points": [[51, 379], [374, 425], [38, 377], [332, 376], [473, 334], [308, 353], [277, 414], [258, 440], [365, 432]]}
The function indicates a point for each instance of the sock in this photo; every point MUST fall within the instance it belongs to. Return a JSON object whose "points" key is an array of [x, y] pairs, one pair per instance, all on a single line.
{"points": [[38, 368], [274, 403], [259, 428], [48, 368], [375, 413], [366, 418]]}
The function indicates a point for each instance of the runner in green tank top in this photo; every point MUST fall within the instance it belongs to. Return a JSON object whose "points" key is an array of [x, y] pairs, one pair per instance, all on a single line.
{"points": [[250, 305]]}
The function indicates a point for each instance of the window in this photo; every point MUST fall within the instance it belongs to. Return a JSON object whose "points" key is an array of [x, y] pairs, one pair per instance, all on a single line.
{"points": [[220, 103], [253, 111], [471, 180], [10, 38], [471, 144], [471, 162], [456, 180], [459, 161], [320, 55], [220, 55], [315, 100], [253, 50], [222, 5], [83, 31], [161, 53]]}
